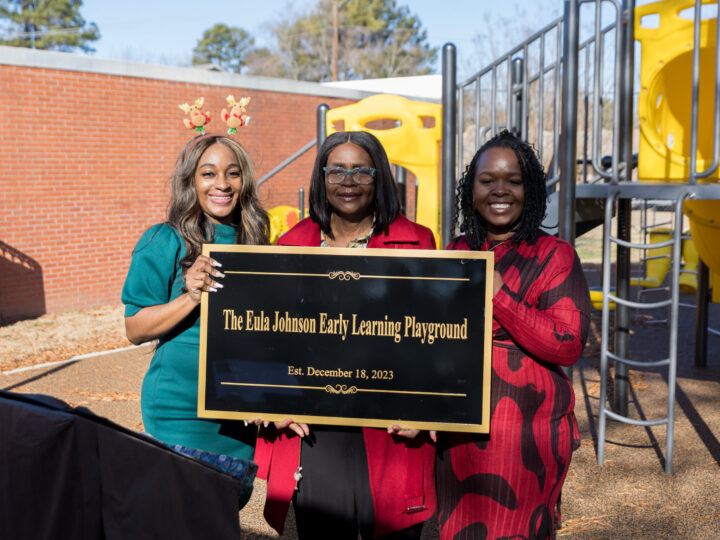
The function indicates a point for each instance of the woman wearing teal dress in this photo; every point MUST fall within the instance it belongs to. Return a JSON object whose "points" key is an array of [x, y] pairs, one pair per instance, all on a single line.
{"points": [[213, 200]]}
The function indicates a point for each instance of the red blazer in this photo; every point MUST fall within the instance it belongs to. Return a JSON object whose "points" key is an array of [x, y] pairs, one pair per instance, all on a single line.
{"points": [[402, 473], [402, 234]]}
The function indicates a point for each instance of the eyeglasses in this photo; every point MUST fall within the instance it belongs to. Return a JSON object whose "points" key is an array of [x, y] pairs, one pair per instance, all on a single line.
{"points": [[359, 175]]}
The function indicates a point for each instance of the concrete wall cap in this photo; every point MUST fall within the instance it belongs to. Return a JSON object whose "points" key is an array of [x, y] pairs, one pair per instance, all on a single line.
{"points": [[32, 58]]}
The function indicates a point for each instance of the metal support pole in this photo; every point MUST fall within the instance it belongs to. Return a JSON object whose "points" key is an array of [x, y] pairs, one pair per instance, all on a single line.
{"points": [[674, 317], [627, 111], [622, 312], [516, 123], [449, 142], [701, 314], [301, 202], [605, 325], [568, 137], [624, 217], [322, 110]]}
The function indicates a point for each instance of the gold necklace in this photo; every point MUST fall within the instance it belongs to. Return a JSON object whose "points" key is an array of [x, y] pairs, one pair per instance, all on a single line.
{"points": [[498, 244]]}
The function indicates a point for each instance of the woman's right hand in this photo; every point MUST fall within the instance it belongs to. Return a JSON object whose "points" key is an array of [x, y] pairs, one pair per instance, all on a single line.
{"points": [[301, 430], [200, 277], [154, 321]]}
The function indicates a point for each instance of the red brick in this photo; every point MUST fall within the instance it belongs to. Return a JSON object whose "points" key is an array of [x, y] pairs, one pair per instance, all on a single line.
{"points": [[90, 156]]}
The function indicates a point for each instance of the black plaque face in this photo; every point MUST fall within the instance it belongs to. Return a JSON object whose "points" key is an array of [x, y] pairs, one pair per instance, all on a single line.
{"points": [[359, 337]]}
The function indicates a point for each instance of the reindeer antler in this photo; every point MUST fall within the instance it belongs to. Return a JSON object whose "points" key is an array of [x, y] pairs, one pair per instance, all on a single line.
{"points": [[232, 101], [185, 108], [199, 102]]}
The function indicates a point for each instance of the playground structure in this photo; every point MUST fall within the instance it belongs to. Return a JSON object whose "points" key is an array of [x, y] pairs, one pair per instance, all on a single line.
{"points": [[410, 133], [665, 31], [523, 91], [572, 98], [412, 142]]}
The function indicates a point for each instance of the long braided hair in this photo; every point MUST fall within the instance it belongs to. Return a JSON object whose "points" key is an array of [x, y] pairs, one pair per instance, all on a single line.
{"points": [[186, 215], [534, 182]]}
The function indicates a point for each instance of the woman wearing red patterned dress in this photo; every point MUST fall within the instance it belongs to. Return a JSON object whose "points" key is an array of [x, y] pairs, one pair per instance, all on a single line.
{"points": [[345, 481], [507, 484]]}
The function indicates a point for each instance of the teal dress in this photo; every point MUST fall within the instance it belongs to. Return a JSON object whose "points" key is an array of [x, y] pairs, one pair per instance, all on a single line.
{"points": [[169, 390]]}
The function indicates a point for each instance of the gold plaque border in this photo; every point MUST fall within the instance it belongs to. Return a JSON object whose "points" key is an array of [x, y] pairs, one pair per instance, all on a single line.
{"points": [[488, 256]]}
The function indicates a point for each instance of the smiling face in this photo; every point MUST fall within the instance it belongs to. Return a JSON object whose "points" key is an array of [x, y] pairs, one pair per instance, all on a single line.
{"points": [[218, 179], [350, 201], [498, 192]]}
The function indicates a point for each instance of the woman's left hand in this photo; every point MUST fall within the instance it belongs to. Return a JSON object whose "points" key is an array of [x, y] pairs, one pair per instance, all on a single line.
{"points": [[408, 433]]}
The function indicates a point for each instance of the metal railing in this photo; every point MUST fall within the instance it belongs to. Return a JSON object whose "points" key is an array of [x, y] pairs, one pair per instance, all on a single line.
{"points": [[286, 162], [521, 91], [501, 93], [321, 122]]}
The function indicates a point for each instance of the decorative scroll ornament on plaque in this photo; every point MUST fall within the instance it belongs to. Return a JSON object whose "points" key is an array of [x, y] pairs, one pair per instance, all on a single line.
{"points": [[344, 275], [341, 389]]}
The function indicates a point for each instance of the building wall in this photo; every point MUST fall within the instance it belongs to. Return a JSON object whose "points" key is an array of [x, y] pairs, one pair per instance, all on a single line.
{"points": [[88, 146]]}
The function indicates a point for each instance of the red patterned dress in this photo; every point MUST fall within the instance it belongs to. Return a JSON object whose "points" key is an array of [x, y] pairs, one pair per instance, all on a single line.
{"points": [[507, 484]]}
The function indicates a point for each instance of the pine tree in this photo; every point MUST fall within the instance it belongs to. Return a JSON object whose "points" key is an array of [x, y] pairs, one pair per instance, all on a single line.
{"points": [[224, 46], [375, 38], [46, 24]]}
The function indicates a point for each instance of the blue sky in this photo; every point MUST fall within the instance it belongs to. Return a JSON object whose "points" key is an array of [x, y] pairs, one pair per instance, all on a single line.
{"points": [[166, 31]]}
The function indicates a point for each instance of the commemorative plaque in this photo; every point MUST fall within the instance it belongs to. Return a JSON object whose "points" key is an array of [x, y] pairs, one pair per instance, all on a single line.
{"points": [[357, 337]]}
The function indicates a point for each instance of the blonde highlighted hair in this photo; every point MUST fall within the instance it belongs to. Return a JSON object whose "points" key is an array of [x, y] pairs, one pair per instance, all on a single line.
{"points": [[185, 213]]}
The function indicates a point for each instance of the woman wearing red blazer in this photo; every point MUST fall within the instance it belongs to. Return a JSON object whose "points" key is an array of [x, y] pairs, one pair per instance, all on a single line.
{"points": [[343, 481]]}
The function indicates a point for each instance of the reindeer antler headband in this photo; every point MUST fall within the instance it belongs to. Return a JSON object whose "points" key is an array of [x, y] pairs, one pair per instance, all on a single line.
{"points": [[237, 116], [197, 118]]}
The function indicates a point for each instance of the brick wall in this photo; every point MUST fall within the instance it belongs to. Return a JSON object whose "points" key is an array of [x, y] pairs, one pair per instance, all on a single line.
{"points": [[88, 147]]}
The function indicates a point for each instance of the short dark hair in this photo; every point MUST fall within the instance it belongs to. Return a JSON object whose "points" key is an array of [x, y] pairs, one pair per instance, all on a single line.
{"points": [[534, 182], [386, 201]]}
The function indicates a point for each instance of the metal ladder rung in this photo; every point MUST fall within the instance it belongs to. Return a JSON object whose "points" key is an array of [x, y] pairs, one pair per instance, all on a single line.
{"points": [[638, 363], [655, 225], [655, 257], [626, 420], [653, 289], [633, 245], [639, 305]]}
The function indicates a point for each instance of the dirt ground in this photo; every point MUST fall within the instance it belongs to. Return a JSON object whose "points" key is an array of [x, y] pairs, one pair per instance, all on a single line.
{"points": [[630, 496], [59, 336]]}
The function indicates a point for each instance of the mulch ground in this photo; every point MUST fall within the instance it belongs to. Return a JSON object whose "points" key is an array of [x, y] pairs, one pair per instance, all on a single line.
{"points": [[59, 336], [630, 496]]}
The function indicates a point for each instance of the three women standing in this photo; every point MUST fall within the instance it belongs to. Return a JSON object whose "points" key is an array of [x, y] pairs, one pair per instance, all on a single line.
{"points": [[379, 483]]}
